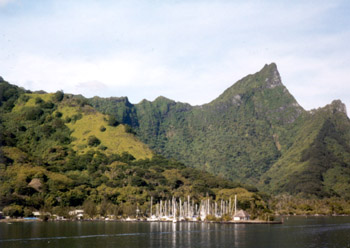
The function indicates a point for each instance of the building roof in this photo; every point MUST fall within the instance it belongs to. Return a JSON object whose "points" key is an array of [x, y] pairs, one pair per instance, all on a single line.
{"points": [[241, 213]]}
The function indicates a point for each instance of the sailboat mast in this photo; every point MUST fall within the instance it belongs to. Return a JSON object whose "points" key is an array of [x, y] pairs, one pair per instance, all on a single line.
{"points": [[235, 204]]}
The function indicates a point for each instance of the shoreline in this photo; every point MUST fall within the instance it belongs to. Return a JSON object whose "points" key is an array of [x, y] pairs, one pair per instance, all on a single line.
{"points": [[19, 220], [146, 221], [14, 220]]}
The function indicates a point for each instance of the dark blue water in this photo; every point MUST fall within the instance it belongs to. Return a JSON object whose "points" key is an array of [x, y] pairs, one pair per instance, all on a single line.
{"points": [[295, 232]]}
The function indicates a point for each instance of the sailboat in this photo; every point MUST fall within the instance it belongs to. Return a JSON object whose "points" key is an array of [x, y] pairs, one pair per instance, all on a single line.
{"points": [[152, 216], [174, 211]]}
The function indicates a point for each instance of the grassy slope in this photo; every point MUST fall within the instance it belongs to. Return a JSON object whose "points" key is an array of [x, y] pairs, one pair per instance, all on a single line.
{"points": [[114, 138], [31, 101]]}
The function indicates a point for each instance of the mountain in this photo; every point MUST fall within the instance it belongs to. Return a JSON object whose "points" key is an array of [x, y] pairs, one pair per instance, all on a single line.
{"points": [[58, 152], [318, 162], [255, 132]]}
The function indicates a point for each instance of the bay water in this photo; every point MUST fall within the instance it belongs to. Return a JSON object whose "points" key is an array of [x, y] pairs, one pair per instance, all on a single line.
{"points": [[295, 232]]}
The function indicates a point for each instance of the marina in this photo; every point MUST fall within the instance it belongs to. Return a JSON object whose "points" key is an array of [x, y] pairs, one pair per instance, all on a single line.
{"points": [[176, 210]]}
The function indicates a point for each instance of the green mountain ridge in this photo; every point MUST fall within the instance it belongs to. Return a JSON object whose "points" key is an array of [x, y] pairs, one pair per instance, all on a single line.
{"points": [[255, 132], [58, 152], [318, 162]]}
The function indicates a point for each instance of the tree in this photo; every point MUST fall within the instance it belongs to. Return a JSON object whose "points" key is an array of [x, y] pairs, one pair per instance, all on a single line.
{"points": [[90, 208], [32, 113], [93, 141], [58, 96], [126, 157], [13, 211], [112, 121], [128, 129], [38, 100], [104, 207]]}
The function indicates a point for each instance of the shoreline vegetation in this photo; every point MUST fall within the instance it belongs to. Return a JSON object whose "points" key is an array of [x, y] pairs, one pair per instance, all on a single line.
{"points": [[131, 220], [281, 207], [268, 218], [122, 219], [288, 205]]}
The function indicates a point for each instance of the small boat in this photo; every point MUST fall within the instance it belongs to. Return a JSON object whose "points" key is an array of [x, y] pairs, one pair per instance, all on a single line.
{"points": [[153, 218]]}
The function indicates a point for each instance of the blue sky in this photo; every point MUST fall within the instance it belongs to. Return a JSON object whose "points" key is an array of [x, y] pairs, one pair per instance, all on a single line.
{"points": [[189, 51]]}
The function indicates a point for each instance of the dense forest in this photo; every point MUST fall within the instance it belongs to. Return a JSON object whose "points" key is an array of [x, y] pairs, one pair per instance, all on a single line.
{"points": [[58, 153]]}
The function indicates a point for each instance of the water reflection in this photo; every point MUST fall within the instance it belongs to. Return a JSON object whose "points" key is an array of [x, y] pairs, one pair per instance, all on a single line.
{"points": [[236, 236], [173, 228], [296, 232]]}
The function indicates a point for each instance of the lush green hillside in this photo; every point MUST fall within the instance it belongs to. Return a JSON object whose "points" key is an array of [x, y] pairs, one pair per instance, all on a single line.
{"points": [[319, 160], [239, 135], [58, 152], [254, 132]]}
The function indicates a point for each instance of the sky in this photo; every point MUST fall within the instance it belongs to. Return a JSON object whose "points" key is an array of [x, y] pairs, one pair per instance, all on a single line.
{"points": [[189, 51]]}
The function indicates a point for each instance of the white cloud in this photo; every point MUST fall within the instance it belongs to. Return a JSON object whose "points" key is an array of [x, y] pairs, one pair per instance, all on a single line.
{"points": [[94, 86], [5, 2], [186, 50]]}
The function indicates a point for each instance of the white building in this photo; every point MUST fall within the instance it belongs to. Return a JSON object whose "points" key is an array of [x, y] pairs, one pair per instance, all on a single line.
{"points": [[79, 213], [241, 215]]}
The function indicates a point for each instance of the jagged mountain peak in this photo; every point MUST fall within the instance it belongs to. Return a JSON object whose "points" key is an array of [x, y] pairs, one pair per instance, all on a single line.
{"points": [[267, 78], [115, 99], [273, 79], [264, 92], [163, 99], [336, 106]]}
